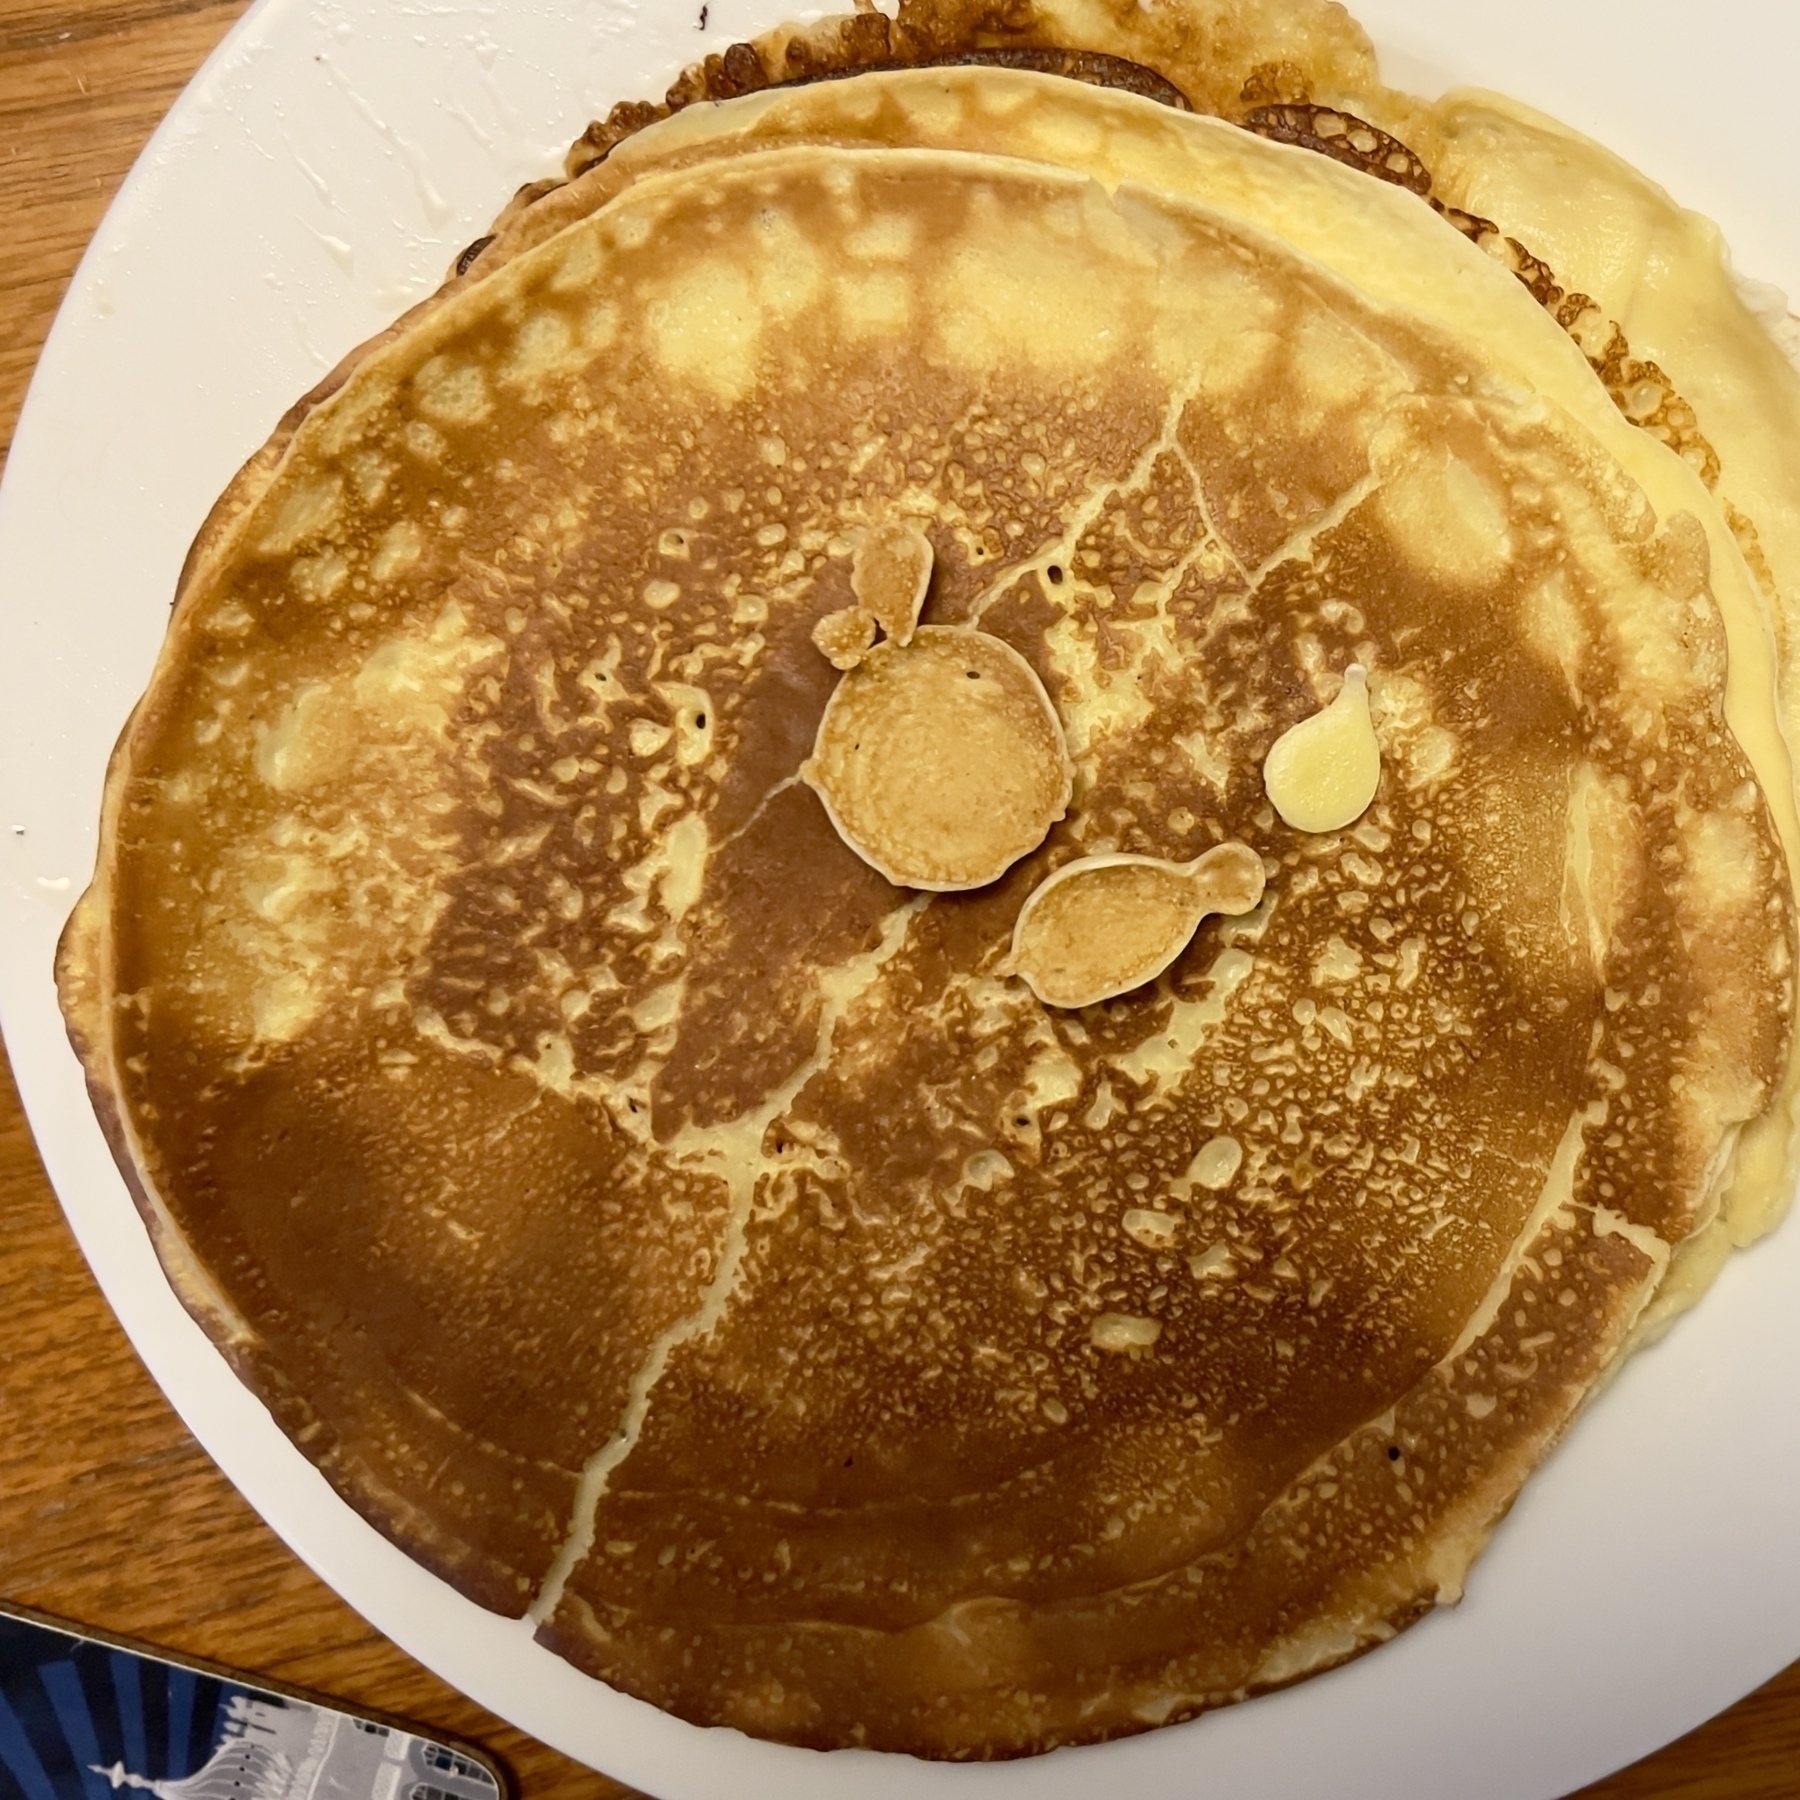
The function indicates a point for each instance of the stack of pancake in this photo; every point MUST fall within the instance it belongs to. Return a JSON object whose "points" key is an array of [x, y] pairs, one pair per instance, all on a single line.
{"points": [[665, 1222]]}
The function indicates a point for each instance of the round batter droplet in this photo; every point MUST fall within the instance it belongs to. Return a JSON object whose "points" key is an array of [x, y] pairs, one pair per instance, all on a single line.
{"points": [[942, 762], [1107, 924]]}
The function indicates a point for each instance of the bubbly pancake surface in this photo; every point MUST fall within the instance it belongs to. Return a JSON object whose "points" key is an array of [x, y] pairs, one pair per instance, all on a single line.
{"points": [[660, 1222], [1651, 301]]}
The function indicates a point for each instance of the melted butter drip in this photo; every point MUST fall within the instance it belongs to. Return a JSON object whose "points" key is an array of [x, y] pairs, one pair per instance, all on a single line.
{"points": [[1321, 774]]}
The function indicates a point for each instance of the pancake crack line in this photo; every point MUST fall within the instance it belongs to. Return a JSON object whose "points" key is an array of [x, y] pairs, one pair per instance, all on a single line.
{"points": [[1209, 531], [1315, 528], [761, 807], [1166, 1056], [1088, 510], [734, 1152], [1208, 540]]}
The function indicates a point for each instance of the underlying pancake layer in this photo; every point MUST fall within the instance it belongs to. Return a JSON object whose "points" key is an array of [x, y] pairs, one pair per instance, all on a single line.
{"points": [[813, 1330], [1214, 55]]}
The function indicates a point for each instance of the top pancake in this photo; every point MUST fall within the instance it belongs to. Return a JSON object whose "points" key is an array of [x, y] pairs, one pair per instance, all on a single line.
{"points": [[1645, 288], [1660, 270], [650, 1216]]}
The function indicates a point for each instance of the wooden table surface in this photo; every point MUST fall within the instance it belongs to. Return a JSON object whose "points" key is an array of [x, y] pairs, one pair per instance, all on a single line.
{"points": [[110, 1514]]}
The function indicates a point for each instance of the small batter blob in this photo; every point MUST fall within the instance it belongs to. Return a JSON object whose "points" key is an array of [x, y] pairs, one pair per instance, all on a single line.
{"points": [[1107, 924], [1321, 774], [890, 572]]}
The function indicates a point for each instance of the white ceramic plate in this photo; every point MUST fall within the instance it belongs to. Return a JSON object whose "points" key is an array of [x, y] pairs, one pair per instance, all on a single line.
{"points": [[317, 176]]}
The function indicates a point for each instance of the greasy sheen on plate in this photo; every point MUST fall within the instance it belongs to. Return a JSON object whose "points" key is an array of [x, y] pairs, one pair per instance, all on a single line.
{"points": [[556, 1076]]}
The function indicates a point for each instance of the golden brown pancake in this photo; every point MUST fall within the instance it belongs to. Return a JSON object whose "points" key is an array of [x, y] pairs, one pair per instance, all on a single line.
{"points": [[1647, 287], [661, 1223]]}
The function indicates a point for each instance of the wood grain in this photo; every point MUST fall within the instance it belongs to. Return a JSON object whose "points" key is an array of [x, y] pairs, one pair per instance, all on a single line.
{"points": [[110, 1514]]}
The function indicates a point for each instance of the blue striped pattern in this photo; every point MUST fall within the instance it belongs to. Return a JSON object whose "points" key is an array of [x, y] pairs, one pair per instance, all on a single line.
{"points": [[181, 1722], [70, 1708], [128, 1691], [63, 1686], [20, 1759]]}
